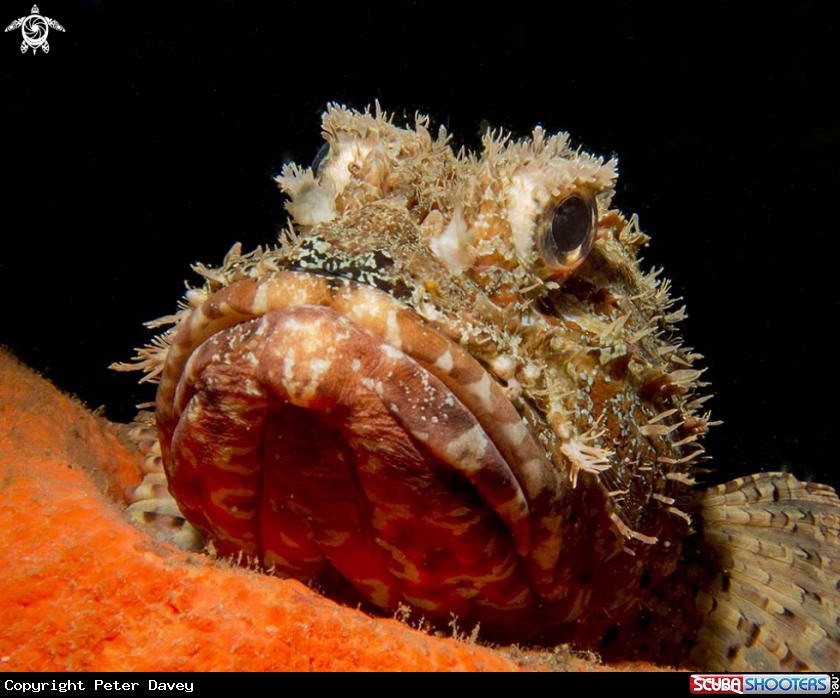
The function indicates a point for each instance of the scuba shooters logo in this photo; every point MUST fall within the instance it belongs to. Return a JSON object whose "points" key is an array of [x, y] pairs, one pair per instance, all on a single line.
{"points": [[756, 684], [35, 28]]}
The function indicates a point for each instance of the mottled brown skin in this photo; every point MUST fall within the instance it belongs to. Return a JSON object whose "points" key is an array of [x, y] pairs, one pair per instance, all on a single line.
{"points": [[453, 387]]}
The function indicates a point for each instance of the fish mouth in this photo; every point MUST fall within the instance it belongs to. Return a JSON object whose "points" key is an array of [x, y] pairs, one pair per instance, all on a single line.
{"points": [[317, 424]]}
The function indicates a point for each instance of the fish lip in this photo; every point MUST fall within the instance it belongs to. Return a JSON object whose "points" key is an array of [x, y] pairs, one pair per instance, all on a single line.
{"points": [[533, 520], [378, 312], [350, 382]]}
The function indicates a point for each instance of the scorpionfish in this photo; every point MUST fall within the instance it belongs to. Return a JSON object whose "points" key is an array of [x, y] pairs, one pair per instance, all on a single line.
{"points": [[452, 388]]}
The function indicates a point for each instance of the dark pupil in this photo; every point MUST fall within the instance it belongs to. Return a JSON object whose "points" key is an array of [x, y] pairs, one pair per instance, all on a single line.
{"points": [[570, 224]]}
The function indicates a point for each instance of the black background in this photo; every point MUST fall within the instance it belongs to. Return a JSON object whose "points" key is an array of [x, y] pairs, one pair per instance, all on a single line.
{"points": [[146, 140]]}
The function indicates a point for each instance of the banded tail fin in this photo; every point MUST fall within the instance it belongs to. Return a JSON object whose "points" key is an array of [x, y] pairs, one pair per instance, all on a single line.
{"points": [[774, 604]]}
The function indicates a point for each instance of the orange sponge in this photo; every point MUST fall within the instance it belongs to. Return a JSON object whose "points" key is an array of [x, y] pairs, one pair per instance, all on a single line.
{"points": [[84, 590]]}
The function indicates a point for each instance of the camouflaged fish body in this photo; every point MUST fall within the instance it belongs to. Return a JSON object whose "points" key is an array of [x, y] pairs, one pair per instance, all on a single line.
{"points": [[452, 386]]}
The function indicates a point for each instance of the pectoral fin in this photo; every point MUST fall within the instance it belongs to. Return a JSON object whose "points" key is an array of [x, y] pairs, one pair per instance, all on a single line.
{"points": [[774, 604]]}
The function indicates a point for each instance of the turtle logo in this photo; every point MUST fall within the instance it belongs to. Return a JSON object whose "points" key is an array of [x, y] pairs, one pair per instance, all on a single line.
{"points": [[35, 28]]}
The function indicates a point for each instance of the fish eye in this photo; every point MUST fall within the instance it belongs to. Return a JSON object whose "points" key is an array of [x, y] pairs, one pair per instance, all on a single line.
{"points": [[570, 234]]}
